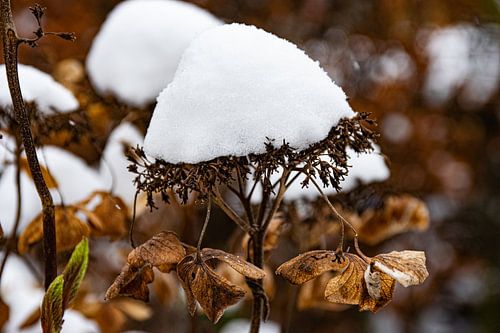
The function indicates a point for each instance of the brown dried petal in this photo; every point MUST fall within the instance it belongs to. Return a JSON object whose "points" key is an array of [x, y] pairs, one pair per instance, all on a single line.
{"points": [[69, 230], [132, 282], [407, 267], [312, 295], [32, 319], [136, 310], [109, 318], [229, 273], [238, 264], [163, 251], [379, 290], [399, 214], [109, 217], [4, 313], [166, 288], [49, 180], [348, 287], [213, 292], [311, 264]]}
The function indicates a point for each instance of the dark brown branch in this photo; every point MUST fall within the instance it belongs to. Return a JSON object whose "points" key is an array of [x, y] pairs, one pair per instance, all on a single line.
{"points": [[11, 42]]}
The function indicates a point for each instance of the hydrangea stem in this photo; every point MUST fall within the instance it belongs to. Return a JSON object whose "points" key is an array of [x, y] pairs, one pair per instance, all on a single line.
{"points": [[11, 42]]}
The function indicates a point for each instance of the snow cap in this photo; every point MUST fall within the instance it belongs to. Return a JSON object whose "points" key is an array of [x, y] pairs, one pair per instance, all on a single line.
{"points": [[135, 54], [236, 87], [40, 88]]}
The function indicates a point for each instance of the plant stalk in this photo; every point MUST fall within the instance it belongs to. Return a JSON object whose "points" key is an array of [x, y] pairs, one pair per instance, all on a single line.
{"points": [[11, 42]]}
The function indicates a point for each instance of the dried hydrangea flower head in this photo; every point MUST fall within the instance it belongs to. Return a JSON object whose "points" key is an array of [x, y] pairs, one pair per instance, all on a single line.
{"points": [[243, 97], [246, 112]]}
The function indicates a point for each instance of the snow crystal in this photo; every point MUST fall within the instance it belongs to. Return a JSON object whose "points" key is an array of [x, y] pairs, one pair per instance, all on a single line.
{"points": [[40, 88], [135, 54], [114, 163], [237, 86], [364, 168]]}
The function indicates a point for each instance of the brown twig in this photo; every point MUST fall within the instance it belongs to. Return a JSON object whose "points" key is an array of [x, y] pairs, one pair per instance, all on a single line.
{"points": [[11, 42], [12, 238]]}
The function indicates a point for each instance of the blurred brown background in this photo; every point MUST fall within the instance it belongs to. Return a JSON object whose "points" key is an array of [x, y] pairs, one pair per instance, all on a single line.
{"points": [[429, 71]]}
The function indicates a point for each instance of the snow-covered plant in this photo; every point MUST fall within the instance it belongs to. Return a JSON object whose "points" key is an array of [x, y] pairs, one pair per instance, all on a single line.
{"points": [[243, 119], [246, 110]]}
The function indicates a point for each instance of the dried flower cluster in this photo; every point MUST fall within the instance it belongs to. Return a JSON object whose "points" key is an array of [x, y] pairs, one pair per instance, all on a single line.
{"points": [[358, 280], [201, 283], [160, 176]]}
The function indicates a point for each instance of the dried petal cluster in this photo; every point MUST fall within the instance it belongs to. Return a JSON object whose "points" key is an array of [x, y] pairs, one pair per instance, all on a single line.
{"points": [[162, 251], [212, 291], [376, 218], [107, 217], [196, 272], [358, 280]]}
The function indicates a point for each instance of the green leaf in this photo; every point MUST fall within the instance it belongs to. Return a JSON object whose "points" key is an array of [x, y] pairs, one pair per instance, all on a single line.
{"points": [[52, 307], [75, 271]]}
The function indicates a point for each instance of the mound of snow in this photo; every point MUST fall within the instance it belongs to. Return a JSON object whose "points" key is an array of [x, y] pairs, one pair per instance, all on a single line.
{"points": [[237, 86], [364, 168], [114, 163], [40, 88], [135, 54]]}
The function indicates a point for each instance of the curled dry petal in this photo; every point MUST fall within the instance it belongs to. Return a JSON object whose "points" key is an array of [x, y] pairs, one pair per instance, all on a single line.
{"points": [[238, 264], [163, 251], [311, 264], [230, 274], [348, 287], [69, 230], [132, 282], [380, 288], [213, 292], [407, 267], [400, 213]]}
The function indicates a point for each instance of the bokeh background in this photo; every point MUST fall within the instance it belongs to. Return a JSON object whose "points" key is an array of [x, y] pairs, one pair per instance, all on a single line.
{"points": [[429, 73]]}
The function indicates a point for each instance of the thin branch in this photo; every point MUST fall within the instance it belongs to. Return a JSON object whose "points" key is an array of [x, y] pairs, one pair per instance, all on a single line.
{"points": [[205, 224], [336, 212], [278, 199], [219, 201], [11, 43], [132, 223], [12, 238]]}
